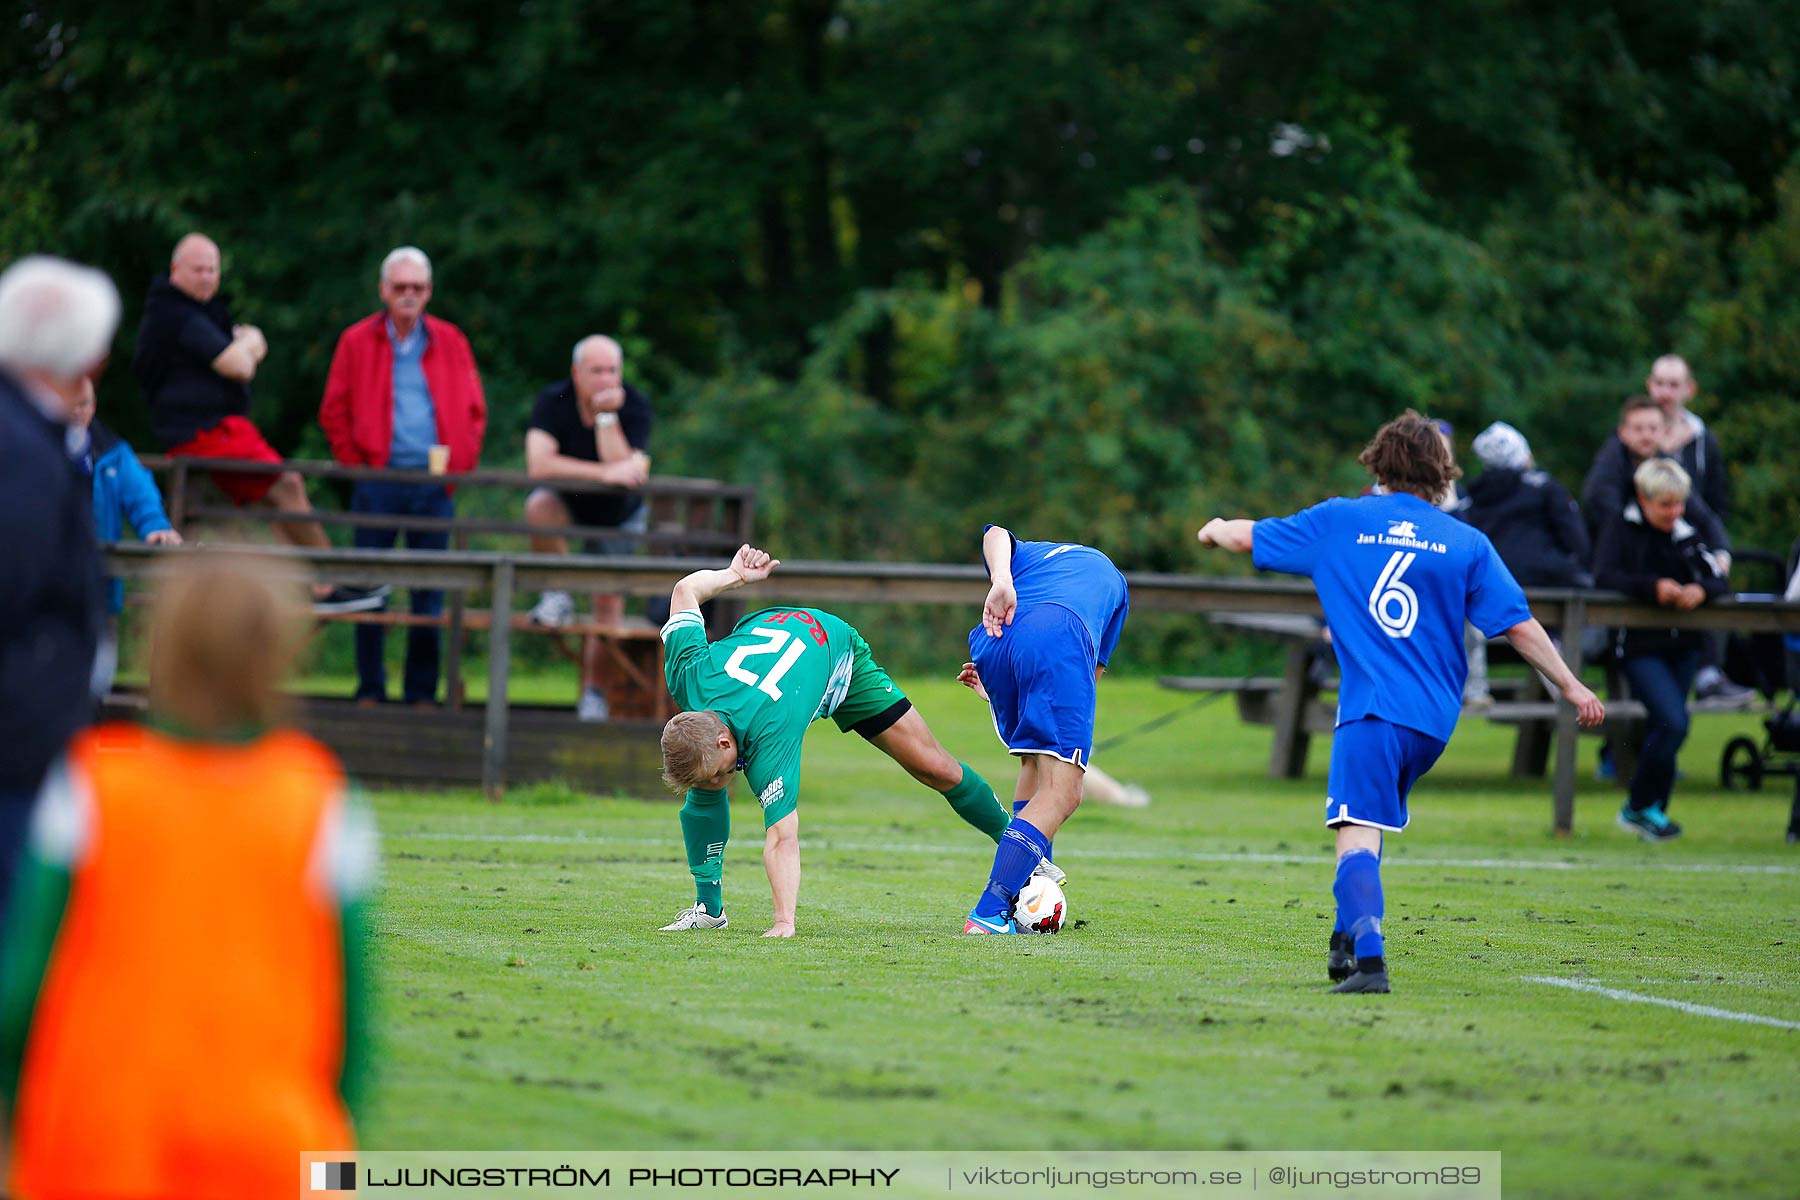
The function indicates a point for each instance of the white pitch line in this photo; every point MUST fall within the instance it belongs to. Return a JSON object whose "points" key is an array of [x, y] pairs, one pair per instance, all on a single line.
{"points": [[1091, 852], [1693, 1010]]}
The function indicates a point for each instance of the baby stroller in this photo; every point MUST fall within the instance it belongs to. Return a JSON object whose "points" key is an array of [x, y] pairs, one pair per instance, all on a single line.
{"points": [[1746, 764]]}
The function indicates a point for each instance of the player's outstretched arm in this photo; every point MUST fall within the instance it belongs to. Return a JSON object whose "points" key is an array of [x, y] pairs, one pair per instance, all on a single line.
{"points": [[1237, 536], [749, 565], [1535, 647]]}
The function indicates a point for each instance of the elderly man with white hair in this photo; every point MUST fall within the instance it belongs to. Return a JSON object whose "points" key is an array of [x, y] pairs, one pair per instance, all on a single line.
{"points": [[402, 383], [1652, 553], [56, 327], [595, 427], [1532, 520]]}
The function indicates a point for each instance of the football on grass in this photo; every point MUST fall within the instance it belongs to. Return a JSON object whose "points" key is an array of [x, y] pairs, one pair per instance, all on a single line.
{"points": [[1041, 907]]}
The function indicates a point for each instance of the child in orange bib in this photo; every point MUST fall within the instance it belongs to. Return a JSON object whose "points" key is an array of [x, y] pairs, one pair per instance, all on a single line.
{"points": [[180, 1010]]}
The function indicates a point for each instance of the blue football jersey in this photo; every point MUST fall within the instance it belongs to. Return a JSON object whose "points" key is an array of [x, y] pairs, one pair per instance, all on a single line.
{"points": [[1080, 579], [1397, 578]]}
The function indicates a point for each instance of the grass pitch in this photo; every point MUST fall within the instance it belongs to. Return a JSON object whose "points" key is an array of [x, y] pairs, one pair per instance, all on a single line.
{"points": [[526, 1002]]}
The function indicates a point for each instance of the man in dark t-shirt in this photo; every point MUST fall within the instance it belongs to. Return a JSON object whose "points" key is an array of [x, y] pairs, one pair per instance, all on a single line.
{"points": [[590, 427], [194, 366]]}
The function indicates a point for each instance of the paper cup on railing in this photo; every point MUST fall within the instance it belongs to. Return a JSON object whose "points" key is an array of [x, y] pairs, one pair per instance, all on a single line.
{"points": [[437, 459]]}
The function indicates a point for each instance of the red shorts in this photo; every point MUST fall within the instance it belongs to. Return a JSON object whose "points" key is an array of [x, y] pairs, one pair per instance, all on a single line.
{"points": [[234, 437]]}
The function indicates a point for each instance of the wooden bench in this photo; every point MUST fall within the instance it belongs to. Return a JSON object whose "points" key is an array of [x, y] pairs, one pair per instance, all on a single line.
{"points": [[1258, 699]]}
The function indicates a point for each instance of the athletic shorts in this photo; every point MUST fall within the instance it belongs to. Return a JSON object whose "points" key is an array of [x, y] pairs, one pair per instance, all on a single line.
{"points": [[1374, 765], [234, 437], [1039, 676], [874, 701]]}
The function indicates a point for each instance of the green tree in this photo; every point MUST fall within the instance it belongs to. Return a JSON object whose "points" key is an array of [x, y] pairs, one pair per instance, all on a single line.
{"points": [[1745, 350]]}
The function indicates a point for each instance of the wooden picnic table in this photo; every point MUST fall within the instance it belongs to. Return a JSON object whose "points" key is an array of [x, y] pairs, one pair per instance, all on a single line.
{"points": [[1292, 706]]}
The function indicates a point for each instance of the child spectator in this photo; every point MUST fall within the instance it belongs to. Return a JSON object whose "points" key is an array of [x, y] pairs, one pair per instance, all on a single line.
{"points": [[180, 1012], [124, 492]]}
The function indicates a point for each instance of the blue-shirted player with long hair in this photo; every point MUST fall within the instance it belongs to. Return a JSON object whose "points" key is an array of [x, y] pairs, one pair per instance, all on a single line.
{"points": [[1053, 615], [1397, 578]]}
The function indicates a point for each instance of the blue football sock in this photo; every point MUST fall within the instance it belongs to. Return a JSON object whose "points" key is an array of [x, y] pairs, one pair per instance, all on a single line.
{"points": [[1358, 892], [1021, 847], [1049, 846]]}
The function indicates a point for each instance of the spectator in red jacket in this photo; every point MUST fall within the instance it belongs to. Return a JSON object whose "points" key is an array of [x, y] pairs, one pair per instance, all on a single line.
{"points": [[401, 384]]}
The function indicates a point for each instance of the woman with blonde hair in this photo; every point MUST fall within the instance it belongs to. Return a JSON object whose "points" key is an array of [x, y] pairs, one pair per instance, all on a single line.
{"points": [[180, 993]]}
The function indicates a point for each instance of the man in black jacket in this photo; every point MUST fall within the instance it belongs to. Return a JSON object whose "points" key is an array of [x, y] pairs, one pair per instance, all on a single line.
{"points": [[56, 325], [1608, 486], [1652, 554]]}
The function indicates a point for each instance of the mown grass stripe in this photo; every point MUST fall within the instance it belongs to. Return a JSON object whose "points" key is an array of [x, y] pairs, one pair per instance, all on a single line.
{"points": [[1694, 1010]]}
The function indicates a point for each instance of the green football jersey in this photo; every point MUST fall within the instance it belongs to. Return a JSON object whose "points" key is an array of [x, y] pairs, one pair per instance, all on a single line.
{"points": [[775, 673]]}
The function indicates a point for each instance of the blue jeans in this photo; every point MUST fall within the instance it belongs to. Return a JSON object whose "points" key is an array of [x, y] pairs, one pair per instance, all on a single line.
{"points": [[1662, 683], [422, 641]]}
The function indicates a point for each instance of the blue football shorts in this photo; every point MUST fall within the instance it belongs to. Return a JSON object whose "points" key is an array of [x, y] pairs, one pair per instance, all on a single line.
{"points": [[1039, 676], [1374, 765]]}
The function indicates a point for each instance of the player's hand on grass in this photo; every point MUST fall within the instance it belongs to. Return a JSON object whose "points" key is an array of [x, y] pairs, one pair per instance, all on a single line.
{"points": [[1209, 532], [753, 565], [1589, 712], [781, 929], [997, 611], [970, 678]]}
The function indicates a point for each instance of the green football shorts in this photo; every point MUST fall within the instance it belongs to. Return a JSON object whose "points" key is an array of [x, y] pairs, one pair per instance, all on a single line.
{"points": [[871, 693]]}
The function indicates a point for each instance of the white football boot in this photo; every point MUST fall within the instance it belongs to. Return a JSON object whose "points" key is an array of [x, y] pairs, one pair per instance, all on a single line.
{"points": [[689, 919]]}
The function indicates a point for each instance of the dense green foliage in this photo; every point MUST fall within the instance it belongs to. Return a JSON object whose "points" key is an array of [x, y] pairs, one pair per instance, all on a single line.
{"points": [[1096, 268], [526, 1002]]}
